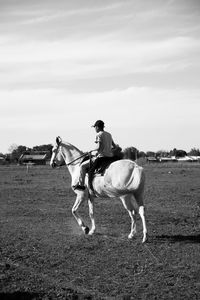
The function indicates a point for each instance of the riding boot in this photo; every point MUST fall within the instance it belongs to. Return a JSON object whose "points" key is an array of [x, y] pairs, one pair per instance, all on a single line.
{"points": [[90, 179]]}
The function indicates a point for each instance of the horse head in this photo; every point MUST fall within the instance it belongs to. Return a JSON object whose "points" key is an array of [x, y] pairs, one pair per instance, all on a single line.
{"points": [[57, 159]]}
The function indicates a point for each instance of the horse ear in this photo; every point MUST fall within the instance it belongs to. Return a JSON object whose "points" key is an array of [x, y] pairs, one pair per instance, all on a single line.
{"points": [[58, 140]]}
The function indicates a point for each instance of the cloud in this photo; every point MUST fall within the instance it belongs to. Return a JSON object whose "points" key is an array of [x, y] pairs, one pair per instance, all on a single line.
{"points": [[94, 49], [49, 48], [51, 104], [93, 41], [31, 63], [150, 118]]}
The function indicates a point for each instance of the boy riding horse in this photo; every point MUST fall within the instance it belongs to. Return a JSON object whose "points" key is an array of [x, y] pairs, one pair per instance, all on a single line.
{"points": [[105, 144]]}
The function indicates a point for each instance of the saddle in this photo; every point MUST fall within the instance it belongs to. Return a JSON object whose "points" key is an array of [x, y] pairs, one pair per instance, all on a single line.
{"points": [[98, 168], [104, 165], [105, 162]]}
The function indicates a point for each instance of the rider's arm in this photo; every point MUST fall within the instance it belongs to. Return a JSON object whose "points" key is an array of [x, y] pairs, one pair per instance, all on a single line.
{"points": [[97, 146]]}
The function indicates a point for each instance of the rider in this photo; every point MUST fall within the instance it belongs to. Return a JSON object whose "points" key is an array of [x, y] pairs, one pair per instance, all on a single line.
{"points": [[104, 143]]}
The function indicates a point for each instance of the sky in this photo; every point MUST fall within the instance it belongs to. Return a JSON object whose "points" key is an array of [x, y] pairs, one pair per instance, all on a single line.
{"points": [[135, 64]]}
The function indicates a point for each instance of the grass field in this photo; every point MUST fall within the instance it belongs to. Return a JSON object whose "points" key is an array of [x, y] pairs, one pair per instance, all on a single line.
{"points": [[44, 254]]}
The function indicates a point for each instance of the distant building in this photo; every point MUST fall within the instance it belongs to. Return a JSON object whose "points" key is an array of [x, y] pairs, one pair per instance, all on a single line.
{"points": [[33, 158], [2, 160], [189, 159], [151, 159], [168, 159]]}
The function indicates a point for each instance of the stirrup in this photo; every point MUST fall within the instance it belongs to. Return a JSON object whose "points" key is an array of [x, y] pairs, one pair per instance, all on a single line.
{"points": [[78, 187]]}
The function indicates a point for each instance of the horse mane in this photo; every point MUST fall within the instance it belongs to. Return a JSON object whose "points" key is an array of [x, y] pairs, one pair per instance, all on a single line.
{"points": [[72, 147]]}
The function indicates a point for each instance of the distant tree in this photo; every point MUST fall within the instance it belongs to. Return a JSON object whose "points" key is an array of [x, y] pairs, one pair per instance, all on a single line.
{"points": [[194, 152], [162, 153], [8, 158], [150, 154], [12, 148], [16, 153], [180, 153], [44, 148], [142, 154], [173, 152]]}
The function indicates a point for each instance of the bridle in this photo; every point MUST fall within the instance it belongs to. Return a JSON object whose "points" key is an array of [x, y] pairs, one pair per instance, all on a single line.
{"points": [[58, 142]]}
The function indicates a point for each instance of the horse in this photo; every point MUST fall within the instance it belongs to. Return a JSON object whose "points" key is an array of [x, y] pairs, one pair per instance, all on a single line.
{"points": [[123, 178]]}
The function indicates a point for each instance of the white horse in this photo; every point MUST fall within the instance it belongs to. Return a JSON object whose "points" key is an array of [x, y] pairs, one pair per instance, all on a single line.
{"points": [[123, 179]]}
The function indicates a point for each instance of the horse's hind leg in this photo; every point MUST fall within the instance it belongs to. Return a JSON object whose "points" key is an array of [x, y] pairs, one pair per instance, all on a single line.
{"points": [[142, 215], [128, 203], [140, 202]]}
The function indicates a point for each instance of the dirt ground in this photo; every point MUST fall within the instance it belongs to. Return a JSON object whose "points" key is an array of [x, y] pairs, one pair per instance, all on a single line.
{"points": [[45, 255]]}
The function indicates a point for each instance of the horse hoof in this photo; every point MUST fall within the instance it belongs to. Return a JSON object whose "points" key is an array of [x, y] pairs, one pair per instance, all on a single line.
{"points": [[131, 236], [86, 230], [145, 240], [91, 232]]}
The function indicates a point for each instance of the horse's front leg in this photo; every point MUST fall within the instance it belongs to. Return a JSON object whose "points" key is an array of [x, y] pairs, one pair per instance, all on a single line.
{"points": [[91, 214], [79, 200]]}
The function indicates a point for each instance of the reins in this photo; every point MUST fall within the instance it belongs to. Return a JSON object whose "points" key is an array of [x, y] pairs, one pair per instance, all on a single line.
{"points": [[77, 158], [59, 141]]}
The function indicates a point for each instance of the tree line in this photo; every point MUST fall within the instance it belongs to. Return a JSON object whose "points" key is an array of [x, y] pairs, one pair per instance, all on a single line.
{"points": [[130, 152], [16, 151], [134, 153]]}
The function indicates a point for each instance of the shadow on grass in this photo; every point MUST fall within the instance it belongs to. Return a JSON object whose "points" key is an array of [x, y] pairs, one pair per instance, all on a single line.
{"points": [[67, 294], [20, 296], [179, 238]]}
